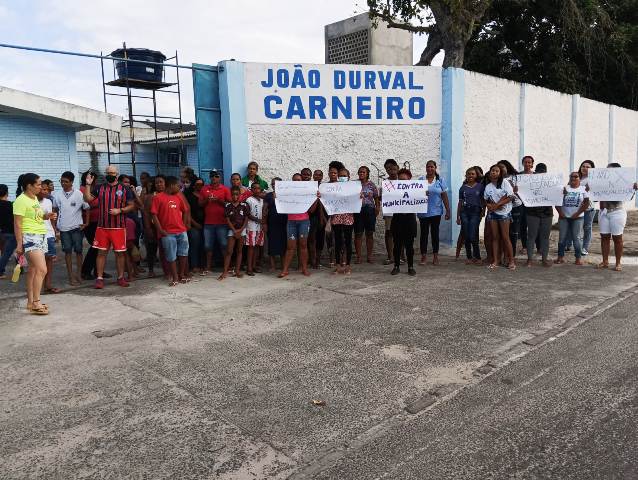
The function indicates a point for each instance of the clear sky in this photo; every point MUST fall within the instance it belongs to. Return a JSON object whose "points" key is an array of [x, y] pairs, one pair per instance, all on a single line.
{"points": [[202, 31]]}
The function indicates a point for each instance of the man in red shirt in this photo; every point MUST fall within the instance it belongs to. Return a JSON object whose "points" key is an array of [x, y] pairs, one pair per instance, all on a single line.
{"points": [[213, 198], [115, 201], [171, 217]]}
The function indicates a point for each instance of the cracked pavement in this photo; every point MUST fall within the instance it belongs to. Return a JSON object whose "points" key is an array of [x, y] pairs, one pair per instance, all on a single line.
{"points": [[217, 379]]}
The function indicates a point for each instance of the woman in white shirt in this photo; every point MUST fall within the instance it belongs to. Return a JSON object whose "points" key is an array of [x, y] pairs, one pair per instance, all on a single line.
{"points": [[572, 215], [611, 221], [498, 196]]}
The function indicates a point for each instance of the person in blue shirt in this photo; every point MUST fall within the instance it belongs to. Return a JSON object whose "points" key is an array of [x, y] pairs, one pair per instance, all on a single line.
{"points": [[470, 210], [430, 221]]}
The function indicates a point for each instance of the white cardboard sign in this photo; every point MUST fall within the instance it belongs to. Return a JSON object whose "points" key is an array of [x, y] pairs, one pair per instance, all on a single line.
{"points": [[404, 196], [341, 197], [611, 184], [294, 197], [541, 189]]}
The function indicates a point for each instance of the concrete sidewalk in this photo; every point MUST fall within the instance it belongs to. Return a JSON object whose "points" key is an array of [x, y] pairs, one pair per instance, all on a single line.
{"points": [[217, 379]]}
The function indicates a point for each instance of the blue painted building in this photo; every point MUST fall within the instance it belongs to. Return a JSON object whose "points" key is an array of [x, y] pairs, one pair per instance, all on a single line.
{"points": [[38, 134]]}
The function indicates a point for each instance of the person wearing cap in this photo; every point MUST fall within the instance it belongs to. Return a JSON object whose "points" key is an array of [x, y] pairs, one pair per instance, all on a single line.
{"points": [[213, 199]]}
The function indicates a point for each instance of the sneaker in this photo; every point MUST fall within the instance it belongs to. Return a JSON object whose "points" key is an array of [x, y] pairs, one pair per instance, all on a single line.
{"points": [[122, 282], [411, 272], [395, 271], [585, 252], [387, 261], [99, 284]]}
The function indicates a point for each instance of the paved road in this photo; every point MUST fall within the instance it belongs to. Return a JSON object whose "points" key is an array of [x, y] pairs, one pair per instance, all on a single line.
{"points": [[216, 380], [567, 410]]}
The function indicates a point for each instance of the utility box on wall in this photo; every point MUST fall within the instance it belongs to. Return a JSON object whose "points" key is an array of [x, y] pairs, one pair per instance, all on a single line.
{"points": [[356, 40]]}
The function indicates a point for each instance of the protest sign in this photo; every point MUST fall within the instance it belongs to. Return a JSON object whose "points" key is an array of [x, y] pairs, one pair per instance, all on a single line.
{"points": [[611, 184], [295, 197], [541, 189], [404, 196], [341, 197]]}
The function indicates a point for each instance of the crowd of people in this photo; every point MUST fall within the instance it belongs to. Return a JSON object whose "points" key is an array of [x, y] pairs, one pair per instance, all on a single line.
{"points": [[192, 227]]}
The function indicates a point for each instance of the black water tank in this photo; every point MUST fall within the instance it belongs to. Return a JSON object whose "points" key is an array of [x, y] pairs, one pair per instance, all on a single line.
{"points": [[137, 71]]}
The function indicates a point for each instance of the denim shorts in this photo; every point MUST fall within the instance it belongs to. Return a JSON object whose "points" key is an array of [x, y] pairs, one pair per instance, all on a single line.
{"points": [[175, 245], [298, 229], [496, 217], [35, 241], [51, 250], [72, 241]]}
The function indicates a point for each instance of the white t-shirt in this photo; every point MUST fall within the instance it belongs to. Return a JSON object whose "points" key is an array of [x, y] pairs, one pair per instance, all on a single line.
{"points": [[573, 199], [256, 208], [70, 206], [495, 194], [47, 207]]}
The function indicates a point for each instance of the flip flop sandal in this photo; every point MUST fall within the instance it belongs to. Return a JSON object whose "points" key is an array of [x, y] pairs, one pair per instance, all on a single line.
{"points": [[282, 275], [172, 284], [41, 310], [204, 273], [53, 290]]}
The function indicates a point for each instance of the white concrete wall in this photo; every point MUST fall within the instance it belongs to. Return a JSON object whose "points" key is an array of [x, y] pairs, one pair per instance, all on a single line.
{"points": [[505, 120], [592, 132], [548, 127], [491, 123], [282, 150], [625, 141]]}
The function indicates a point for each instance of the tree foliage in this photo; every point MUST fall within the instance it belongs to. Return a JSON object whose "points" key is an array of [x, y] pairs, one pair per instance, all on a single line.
{"points": [[588, 47], [448, 23]]}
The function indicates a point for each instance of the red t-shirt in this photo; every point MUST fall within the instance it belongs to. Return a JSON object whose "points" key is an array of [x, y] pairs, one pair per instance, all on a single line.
{"points": [[214, 211], [169, 210], [94, 212], [246, 194]]}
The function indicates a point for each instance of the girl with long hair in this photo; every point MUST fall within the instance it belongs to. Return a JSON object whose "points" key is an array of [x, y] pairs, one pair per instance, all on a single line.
{"points": [[498, 196]]}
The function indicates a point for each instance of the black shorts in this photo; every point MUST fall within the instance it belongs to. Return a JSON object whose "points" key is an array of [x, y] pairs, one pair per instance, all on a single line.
{"points": [[366, 220]]}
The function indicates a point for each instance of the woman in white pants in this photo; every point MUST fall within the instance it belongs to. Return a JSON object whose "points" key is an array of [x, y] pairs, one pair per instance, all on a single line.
{"points": [[611, 221]]}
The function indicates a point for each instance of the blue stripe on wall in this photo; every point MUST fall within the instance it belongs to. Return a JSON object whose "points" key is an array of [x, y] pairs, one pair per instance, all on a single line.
{"points": [[233, 114], [452, 143]]}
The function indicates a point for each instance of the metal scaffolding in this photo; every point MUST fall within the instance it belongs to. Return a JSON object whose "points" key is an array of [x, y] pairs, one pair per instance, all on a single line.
{"points": [[135, 90]]}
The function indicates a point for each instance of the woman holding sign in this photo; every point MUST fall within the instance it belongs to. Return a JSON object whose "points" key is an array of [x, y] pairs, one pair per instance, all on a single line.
{"points": [[403, 228], [572, 213], [498, 196], [298, 229], [612, 220], [342, 226], [431, 220], [539, 227]]}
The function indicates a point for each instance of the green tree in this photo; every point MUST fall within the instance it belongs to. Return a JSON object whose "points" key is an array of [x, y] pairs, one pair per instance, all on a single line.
{"points": [[588, 47], [449, 24]]}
